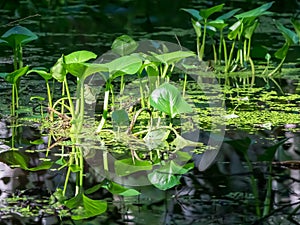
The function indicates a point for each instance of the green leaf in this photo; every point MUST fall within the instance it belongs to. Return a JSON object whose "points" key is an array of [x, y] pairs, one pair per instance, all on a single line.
{"points": [[167, 176], [262, 10], [125, 167], [166, 98], [180, 143], [205, 13], [79, 57], [44, 74], [125, 64], [37, 141], [240, 145], [124, 45], [270, 152], [282, 52], [14, 158], [83, 70], [18, 35], [58, 71], [197, 27], [156, 138], [296, 24], [228, 14], [194, 13], [84, 207], [120, 116], [45, 165], [93, 189], [249, 30], [117, 189], [219, 24], [14, 76], [235, 30], [172, 57], [290, 36], [75, 168]]}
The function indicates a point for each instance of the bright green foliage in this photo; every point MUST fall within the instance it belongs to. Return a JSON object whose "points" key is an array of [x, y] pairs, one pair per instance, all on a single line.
{"points": [[166, 98]]}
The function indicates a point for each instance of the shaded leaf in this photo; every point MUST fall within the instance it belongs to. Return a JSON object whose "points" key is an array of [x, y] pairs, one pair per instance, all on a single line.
{"points": [[270, 152], [45, 165], [194, 13], [18, 35], [125, 167], [58, 71], [290, 36], [120, 116], [124, 45], [117, 189]]}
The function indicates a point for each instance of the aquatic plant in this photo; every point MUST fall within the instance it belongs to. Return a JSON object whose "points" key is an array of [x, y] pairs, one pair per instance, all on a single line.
{"points": [[15, 38]]}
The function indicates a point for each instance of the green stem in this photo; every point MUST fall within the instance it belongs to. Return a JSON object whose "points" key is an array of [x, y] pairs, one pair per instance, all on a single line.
{"points": [[277, 68], [184, 85], [225, 56], [198, 47], [267, 202], [252, 71], [203, 40], [105, 107], [254, 186], [69, 97], [49, 99], [230, 57]]}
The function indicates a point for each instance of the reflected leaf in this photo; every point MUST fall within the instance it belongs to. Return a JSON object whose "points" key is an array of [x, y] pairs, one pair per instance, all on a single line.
{"points": [[168, 175], [156, 138], [84, 207], [125, 167]]}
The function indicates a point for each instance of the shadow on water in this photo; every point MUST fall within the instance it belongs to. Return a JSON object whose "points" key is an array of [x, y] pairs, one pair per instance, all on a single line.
{"points": [[220, 195]]}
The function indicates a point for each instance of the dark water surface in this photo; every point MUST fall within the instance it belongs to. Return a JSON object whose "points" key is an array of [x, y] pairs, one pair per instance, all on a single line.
{"points": [[220, 195]]}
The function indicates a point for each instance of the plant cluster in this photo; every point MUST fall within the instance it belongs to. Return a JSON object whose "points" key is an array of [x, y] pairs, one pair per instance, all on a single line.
{"points": [[233, 50], [67, 116]]}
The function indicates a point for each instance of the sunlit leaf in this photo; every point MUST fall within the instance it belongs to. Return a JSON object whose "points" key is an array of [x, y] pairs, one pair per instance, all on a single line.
{"points": [[44, 74], [234, 30], [197, 27], [125, 64], [58, 71], [79, 57], [262, 10], [205, 13], [172, 57], [14, 76], [166, 98]]}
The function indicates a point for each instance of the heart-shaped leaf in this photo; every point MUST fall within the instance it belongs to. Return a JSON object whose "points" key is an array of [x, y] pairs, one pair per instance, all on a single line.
{"points": [[79, 57], [124, 45], [166, 98], [14, 76], [262, 10], [125, 167], [17, 35]]}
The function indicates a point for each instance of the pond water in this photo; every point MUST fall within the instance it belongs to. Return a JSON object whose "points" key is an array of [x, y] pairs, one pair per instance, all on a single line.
{"points": [[258, 118]]}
